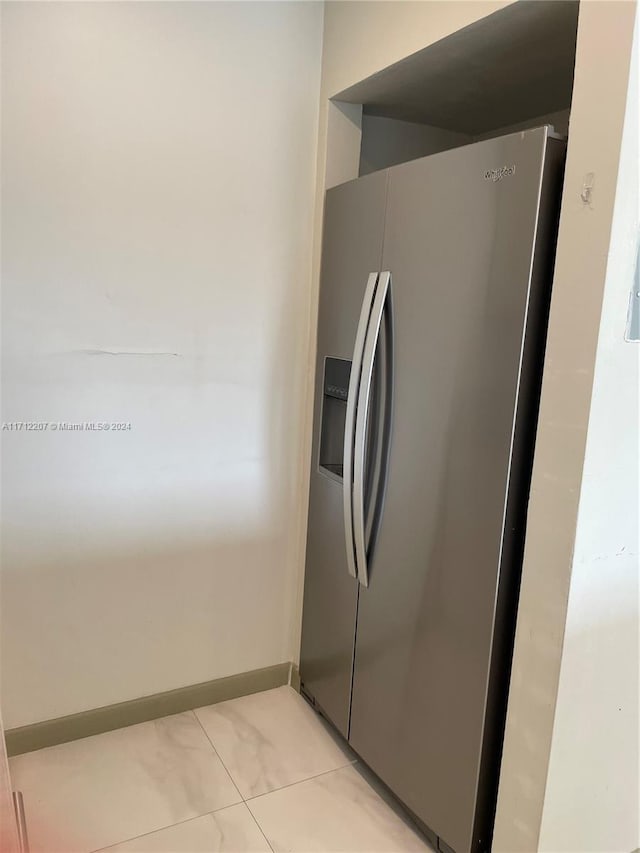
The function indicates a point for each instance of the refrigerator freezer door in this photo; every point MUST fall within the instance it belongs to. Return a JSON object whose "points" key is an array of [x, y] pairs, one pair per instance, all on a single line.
{"points": [[459, 242], [352, 249]]}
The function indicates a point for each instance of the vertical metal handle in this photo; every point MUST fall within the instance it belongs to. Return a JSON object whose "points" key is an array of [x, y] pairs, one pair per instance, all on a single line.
{"points": [[18, 805], [350, 422], [362, 413]]}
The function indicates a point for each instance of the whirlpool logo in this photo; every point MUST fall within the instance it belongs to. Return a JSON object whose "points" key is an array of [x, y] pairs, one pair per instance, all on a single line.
{"points": [[500, 173]]}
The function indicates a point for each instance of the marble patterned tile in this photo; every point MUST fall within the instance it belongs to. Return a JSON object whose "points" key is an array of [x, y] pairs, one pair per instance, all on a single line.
{"points": [[100, 790], [338, 812], [271, 739], [230, 830]]}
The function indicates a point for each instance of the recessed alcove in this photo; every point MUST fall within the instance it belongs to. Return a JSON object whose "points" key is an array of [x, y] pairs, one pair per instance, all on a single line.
{"points": [[508, 71]]}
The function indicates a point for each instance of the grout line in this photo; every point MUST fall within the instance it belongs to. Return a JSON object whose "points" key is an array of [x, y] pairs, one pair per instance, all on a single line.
{"points": [[209, 813], [262, 832], [193, 817], [222, 808], [349, 763], [226, 769], [160, 829], [301, 781], [178, 823], [280, 788], [233, 780], [244, 801]]}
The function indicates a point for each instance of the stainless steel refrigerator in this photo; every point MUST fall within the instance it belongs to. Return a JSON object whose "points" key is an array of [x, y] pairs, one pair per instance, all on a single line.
{"points": [[435, 287]]}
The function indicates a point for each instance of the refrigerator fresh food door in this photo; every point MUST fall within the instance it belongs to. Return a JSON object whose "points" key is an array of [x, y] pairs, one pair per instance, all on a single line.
{"points": [[351, 256], [435, 620]]}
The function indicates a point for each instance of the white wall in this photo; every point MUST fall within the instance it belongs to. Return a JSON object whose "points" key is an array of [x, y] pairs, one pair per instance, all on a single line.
{"points": [[158, 185], [592, 800], [584, 245]]}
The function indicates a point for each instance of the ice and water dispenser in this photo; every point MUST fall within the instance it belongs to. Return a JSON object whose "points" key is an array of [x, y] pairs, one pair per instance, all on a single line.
{"points": [[334, 413]]}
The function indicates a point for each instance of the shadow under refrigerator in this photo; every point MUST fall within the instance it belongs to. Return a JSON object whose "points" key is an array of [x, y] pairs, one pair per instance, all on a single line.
{"points": [[434, 296]]}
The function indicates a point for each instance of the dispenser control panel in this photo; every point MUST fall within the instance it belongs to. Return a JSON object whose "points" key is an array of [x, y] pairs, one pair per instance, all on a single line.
{"points": [[336, 377], [335, 390]]}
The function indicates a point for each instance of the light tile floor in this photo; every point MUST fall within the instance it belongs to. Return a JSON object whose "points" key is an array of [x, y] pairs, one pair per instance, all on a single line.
{"points": [[251, 775]]}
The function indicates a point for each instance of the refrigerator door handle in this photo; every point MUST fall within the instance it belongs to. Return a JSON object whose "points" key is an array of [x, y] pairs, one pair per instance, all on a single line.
{"points": [[362, 414], [350, 422]]}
